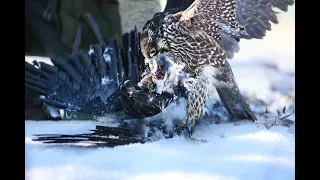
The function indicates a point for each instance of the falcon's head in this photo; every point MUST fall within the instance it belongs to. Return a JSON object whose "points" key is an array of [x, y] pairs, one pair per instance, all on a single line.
{"points": [[153, 44], [152, 39], [155, 49]]}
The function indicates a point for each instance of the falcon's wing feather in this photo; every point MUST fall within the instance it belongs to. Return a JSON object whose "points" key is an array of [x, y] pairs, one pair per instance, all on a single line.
{"points": [[178, 4], [225, 20], [255, 15], [194, 48]]}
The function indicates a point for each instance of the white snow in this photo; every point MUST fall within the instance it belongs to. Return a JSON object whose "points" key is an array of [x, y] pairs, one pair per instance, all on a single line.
{"points": [[105, 80], [107, 57], [30, 59], [234, 151]]}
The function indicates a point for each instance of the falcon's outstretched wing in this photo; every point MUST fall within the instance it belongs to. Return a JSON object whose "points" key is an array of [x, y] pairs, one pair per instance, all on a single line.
{"points": [[223, 19]]}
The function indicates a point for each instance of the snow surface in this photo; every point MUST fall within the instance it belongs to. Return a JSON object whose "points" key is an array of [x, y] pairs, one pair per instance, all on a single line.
{"points": [[30, 59], [263, 68], [233, 152]]}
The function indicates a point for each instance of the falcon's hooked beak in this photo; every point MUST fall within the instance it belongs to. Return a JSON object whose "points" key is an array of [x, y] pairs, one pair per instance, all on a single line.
{"points": [[160, 71], [160, 66]]}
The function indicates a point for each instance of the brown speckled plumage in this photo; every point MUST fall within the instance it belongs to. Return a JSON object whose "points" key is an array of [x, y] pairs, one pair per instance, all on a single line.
{"points": [[203, 37]]}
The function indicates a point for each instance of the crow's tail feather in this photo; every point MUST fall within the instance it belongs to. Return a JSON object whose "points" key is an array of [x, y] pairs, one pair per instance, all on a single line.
{"points": [[102, 136]]}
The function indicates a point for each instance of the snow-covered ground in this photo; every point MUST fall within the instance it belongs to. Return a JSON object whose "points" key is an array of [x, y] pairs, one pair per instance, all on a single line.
{"points": [[263, 69], [233, 152]]}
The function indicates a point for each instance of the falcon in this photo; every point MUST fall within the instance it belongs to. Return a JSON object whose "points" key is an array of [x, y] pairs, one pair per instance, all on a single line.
{"points": [[198, 41]]}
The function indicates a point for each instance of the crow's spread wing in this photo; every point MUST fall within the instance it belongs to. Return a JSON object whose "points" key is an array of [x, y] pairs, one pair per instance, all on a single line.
{"points": [[90, 82]]}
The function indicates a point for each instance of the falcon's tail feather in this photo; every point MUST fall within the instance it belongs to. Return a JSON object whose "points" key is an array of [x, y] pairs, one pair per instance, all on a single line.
{"points": [[232, 99], [230, 45]]}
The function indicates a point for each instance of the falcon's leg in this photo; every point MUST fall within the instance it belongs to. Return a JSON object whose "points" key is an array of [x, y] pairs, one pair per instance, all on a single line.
{"points": [[222, 78], [197, 99]]}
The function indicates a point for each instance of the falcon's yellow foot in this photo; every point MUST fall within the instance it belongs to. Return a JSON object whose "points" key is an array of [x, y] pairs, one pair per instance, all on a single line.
{"points": [[186, 128], [146, 83]]}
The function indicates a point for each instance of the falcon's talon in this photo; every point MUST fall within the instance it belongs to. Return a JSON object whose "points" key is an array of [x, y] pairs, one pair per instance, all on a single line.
{"points": [[187, 133], [186, 128], [190, 126], [146, 83], [124, 84]]}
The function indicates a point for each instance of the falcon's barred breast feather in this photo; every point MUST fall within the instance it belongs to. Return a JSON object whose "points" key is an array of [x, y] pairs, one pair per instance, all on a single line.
{"points": [[202, 38]]}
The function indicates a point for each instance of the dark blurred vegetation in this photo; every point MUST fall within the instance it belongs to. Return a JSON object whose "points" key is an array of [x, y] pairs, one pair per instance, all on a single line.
{"points": [[57, 28]]}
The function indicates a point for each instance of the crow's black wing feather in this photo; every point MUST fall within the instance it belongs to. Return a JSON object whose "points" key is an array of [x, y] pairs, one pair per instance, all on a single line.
{"points": [[71, 83], [90, 82], [102, 136]]}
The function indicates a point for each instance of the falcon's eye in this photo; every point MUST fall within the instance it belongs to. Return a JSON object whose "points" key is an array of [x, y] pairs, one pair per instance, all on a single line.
{"points": [[152, 52]]}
